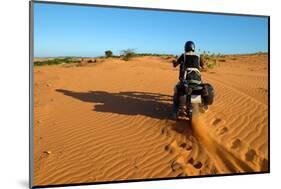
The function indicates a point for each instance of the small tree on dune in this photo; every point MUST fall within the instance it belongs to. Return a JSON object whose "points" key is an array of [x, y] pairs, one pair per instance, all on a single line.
{"points": [[108, 53], [128, 54]]}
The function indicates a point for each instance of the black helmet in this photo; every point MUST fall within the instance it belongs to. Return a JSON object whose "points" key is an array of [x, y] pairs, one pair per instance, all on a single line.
{"points": [[189, 46]]}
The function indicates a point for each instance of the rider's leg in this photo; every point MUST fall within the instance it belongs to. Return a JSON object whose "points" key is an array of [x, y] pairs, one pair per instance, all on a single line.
{"points": [[205, 93], [175, 102], [204, 108]]}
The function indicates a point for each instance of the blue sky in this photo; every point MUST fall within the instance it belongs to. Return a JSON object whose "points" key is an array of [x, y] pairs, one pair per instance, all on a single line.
{"points": [[64, 30]]}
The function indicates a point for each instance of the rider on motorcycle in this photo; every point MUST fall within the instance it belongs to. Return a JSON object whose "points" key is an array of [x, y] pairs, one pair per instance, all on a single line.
{"points": [[190, 65]]}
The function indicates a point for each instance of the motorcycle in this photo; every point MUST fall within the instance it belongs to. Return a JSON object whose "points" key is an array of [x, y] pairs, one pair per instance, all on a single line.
{"points": [[191, 98]]}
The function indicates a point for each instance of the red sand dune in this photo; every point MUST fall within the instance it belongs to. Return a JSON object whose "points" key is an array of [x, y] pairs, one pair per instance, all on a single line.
{"points": [[112, 121]]}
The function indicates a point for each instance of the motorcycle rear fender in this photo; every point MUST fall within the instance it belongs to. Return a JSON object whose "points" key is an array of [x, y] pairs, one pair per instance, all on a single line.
{"points": [[196, 99]]}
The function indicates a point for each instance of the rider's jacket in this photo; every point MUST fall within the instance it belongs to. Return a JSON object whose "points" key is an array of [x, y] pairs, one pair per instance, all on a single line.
{"points": [[190, 64]]}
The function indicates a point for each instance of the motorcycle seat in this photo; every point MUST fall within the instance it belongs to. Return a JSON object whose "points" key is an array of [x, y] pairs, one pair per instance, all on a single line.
{"points": [[195, 87]]}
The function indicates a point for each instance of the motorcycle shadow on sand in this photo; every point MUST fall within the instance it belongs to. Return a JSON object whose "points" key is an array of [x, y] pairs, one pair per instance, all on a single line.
{"points": [[132, 103], [154, 105]]}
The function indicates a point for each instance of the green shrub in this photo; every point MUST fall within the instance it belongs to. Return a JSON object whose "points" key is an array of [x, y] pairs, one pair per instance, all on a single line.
{"points": [[128, 54], [209, 61], [211, 64], [154, 54], [54, 61], [108, 53]]}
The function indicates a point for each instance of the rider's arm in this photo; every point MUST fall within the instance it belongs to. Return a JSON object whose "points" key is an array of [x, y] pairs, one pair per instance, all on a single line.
{"points": [[182, 69], [201, 62], [181, 73], [178, 61]]}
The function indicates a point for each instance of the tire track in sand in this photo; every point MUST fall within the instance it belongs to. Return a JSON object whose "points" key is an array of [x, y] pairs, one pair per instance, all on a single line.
{"points": [[199, 154]]}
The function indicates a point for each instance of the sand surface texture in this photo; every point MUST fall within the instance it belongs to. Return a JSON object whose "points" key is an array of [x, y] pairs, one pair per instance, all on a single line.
{"points": [[111, 121]]}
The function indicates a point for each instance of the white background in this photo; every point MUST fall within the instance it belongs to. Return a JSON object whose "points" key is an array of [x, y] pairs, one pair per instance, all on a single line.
{"points": [[14, 71]]}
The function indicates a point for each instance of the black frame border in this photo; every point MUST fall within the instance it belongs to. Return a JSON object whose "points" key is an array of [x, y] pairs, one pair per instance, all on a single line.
{"points": [[31, 56]]}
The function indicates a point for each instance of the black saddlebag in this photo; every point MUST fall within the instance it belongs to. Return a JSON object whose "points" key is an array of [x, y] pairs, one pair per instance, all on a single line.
{"points": [[208, 94]]}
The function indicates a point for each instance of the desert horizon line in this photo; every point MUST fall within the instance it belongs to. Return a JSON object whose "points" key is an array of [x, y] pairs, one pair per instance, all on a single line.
{"points": [[151, 54]]}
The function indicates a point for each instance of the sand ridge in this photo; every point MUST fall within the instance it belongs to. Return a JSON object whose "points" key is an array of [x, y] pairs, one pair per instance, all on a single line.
{"points": [[112, 121]]}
